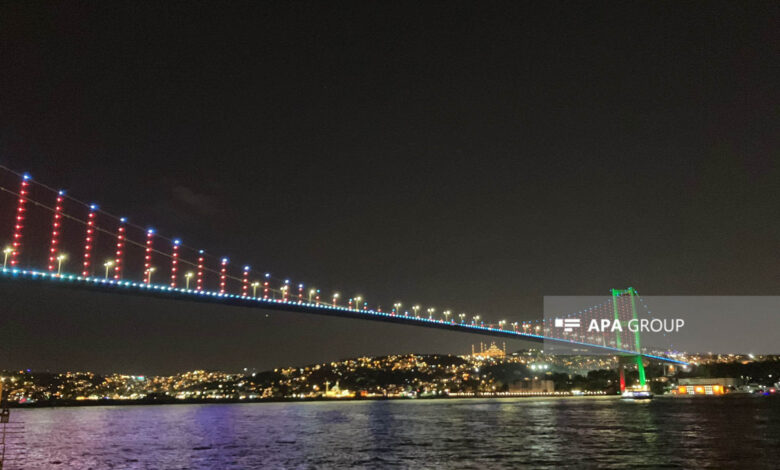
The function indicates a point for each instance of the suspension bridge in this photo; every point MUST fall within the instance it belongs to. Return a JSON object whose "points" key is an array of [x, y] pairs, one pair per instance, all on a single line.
{"points": [[50, 231]]}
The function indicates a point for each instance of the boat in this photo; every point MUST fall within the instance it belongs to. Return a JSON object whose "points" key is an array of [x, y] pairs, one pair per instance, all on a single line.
{"points": [[637, 394]]}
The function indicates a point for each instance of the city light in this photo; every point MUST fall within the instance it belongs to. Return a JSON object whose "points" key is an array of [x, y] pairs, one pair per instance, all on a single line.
{"points": [[108, 265], [187, 277]]}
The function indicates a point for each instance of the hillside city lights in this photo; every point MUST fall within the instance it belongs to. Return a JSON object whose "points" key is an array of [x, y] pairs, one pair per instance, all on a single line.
{"points": [[89, 241], [56, 229], [16, 243], [120, 248]]}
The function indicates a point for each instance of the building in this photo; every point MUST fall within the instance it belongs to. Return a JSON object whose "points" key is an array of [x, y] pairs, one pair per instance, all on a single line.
{"points": [[705, 386], [492, 351], [532, 386]]}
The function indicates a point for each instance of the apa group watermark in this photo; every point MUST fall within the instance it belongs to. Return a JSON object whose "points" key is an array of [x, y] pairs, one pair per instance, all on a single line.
{"points": [[642, 325]]}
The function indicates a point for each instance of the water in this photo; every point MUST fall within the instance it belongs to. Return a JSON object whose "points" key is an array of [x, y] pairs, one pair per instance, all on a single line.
{"points": [[470, 433]]}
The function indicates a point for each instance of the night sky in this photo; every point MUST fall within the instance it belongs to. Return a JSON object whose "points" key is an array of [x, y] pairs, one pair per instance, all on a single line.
{"points": [[453, 154]]}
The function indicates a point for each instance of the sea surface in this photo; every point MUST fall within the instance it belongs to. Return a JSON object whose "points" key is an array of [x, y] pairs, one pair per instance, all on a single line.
{"points": [[581, 432]]}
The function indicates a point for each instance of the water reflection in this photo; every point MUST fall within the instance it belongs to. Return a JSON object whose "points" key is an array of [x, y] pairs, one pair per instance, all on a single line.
{"points": [[507, 433]]}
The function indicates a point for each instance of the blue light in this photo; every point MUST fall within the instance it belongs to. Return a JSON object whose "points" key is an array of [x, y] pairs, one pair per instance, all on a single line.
{"points": [[123, 219], [246, 268], [26, 177], [61, 192], [150, 231], [93, 207], [176, 241]]}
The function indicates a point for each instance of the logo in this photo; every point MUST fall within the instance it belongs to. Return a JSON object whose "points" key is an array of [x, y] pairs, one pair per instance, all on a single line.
{"points": [[568, 324]]}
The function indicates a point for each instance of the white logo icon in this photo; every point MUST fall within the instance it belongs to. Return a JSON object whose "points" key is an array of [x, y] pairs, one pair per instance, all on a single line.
{"points": [[568, 324]]}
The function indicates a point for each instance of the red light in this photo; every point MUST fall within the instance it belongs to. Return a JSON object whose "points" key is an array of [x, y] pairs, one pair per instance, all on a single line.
{"points": [[120, 249], [199, 281], [55, 231], [89, 241], [16, 245], [223, 276], [245, 282], [148, 256], [174, 262]]}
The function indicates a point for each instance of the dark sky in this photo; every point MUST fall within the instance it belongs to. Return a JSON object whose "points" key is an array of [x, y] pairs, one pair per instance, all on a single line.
{"points": [[453, 154]]}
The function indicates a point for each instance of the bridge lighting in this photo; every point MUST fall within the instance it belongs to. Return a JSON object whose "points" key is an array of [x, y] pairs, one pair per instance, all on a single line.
{"points": [[255, 285], [89, 241], [148, 250], [62, 257], [300, 294], [149, 274], [335, 298], [16, 244], [317, 297], [416, 310], [397, 308], [56, 229], [266, 286], [285, 290], [175, 261], [357, 302], [223, 275], [514, 326], [245, 282], [187, 277], [447, 314], [120, 248], [6, 251], [476, 319], [199, 280], [462, 317], [311, 293], [501, 324], [430, 313], [108, 265]]}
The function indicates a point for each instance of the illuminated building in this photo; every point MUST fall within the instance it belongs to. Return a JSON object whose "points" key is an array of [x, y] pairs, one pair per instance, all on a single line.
{"points": [[492, 351]]}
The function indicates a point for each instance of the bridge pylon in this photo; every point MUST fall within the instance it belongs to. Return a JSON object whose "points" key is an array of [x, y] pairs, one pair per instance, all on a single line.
{"points": [[631, 293]]}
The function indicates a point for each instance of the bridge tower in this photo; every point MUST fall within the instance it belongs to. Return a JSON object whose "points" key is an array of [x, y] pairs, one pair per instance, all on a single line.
{"points": [[631, 293]]}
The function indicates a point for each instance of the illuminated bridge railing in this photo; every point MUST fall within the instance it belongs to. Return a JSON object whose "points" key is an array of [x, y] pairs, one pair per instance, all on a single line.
{"points": [[302, 306]]}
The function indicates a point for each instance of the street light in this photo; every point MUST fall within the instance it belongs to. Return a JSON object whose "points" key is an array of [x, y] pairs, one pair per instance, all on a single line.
{"points": [[397, 307], [501, 324], [312, 292], [335, 298], [416, 309], [447, 314], [187, 277], [149, 274], [430, 313], [462, 317], [108, 265], [357, 302], [6, 251], [255, 285], [60, 259], [476, 319]]}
